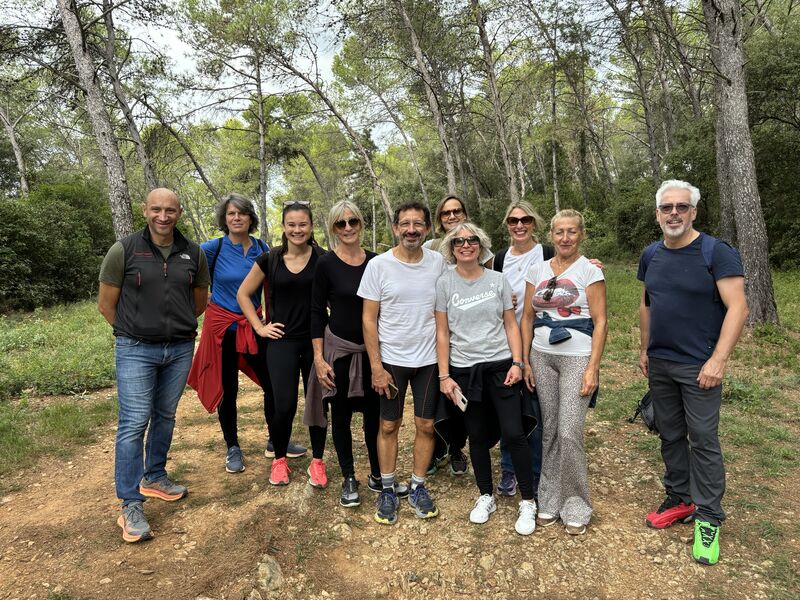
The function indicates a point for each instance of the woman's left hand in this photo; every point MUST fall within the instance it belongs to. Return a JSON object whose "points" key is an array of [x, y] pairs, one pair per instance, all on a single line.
{"points": [[591, 379], [513, 376]]}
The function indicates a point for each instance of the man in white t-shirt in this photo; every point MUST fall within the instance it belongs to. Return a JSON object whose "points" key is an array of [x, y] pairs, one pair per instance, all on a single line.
{"points": [[399, 292]]}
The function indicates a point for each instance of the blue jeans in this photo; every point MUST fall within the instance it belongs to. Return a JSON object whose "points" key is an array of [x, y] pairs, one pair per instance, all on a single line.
{"points": [[150, 381], [534, 442]]}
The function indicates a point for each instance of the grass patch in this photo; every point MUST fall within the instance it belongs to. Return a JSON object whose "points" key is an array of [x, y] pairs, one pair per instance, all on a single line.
{"points": [[60, 428], [57, 350]]}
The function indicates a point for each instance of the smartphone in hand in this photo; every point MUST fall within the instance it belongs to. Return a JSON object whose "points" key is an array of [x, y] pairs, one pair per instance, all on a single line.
{"points": [[393, 391], [461, 400]]}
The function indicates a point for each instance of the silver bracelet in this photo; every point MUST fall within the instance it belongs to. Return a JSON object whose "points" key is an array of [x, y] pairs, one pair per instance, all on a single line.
{"points": [[443, 377]]}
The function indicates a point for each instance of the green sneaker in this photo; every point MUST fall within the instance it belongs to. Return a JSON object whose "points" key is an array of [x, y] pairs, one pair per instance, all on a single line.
{"points": [[706, 543]]}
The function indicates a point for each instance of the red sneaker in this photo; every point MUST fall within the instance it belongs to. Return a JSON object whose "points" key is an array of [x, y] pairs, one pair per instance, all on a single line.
{"points": [[317, 475], [671, 510], [279, 472]]}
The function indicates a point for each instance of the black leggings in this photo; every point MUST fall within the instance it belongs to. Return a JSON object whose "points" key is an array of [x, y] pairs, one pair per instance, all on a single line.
{"points": [[456, 432], [497, 405], [226, 411], [342, 409], [286, 361]]}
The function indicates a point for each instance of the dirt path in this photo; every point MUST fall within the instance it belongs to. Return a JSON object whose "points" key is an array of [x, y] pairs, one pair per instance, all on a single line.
{"points": [[59, 540]]}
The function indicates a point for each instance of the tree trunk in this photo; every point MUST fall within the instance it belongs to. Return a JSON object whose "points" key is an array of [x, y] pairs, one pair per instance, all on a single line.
{"points": [[118, 195], [684, 67], [433, 101], [727, 220], [554, 117], [497, 105], [723, 21], [18, 156], [109, 57], [262, 156], [663, 80]]}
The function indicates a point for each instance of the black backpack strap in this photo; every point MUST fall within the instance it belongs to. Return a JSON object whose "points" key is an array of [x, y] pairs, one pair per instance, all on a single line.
{"points": [[548, 251], [213, 263], [499, 259]]}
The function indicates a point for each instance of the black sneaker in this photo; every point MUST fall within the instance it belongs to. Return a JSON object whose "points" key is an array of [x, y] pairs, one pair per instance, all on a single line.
{"points": [[458, 463], [375, 484], [349, 495]]}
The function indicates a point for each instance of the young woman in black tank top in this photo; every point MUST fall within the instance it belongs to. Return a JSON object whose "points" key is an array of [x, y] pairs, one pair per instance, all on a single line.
{"points": [[288, 273]]}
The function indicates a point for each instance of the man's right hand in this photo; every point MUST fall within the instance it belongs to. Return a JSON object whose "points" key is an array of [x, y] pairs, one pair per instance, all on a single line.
{"points": [[644, 363], [381, 380]]}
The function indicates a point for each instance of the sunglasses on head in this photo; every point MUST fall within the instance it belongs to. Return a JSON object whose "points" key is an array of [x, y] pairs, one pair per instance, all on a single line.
{"points": [[526, 220], [293, 202], [550, 289], [342, 223], [472, 240]]}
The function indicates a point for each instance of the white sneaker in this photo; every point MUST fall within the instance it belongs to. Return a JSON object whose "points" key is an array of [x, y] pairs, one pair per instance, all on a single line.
{"points": [[526, 522], [484, 506]]}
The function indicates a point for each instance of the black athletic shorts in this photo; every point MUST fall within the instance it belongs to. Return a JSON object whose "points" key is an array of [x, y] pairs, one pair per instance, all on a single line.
{"points": [[424, 388]]}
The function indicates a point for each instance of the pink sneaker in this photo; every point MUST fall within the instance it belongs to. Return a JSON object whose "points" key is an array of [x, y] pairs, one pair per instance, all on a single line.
{"points": [[318, 477], [279, 472]]}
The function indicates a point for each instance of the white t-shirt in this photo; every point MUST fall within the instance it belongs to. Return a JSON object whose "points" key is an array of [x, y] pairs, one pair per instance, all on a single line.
{"points": [[407, 293], [516, 267], [567, 302]]}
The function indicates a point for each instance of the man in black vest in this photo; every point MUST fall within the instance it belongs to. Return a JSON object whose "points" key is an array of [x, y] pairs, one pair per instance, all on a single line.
{"points": [[153, 286]]}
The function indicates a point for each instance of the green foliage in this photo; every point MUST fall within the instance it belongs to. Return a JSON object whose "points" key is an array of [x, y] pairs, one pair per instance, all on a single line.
{"points": [[51, 244], [55, 351]]}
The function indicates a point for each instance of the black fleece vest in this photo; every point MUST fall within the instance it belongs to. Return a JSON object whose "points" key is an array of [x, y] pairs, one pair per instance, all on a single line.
{"points": [[156, 302]]}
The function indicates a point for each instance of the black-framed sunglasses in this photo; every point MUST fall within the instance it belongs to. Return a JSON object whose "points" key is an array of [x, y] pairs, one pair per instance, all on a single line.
{"points": [[550, 289], [513, 221], [472, 240], [342, 223], [456, 212], [681, 208]]}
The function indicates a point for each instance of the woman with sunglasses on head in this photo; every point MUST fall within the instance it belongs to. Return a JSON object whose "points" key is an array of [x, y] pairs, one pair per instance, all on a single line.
{"points": [[479, 352], [341, 365], [227, 343], [566, 296], [288, 273], [522, 222]]}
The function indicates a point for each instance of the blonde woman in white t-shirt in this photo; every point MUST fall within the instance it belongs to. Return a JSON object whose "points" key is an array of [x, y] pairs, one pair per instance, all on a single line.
{"points": [[564, 315]]}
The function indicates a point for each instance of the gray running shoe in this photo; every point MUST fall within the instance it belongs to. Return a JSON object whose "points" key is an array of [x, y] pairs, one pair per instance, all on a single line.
{"points": [[400, 488], [135, 527], [349, 495], [292, 450], [508, 484], [234, 462], [163, 489]]}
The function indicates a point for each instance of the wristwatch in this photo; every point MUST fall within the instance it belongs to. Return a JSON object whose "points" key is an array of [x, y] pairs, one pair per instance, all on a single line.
{"points": [[515, 363]]}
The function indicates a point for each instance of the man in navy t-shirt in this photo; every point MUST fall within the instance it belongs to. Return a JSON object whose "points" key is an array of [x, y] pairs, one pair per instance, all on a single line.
{"points": [[692, 312]]}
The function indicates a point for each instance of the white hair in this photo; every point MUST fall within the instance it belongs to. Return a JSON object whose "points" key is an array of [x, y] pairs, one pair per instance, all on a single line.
{"points": [[677, 184]]}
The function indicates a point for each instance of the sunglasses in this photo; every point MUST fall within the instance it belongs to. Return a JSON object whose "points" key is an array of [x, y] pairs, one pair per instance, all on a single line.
{"points": [[513, 221], [293, 202], [456, 212], [472, 240], [342, 223], [681, 208], [550, 289]]}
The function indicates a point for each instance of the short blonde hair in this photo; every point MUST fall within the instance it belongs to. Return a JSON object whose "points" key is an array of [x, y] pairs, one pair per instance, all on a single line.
{"points": [[446, 247], [527, 208], [336, 213], [568, 213]]}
